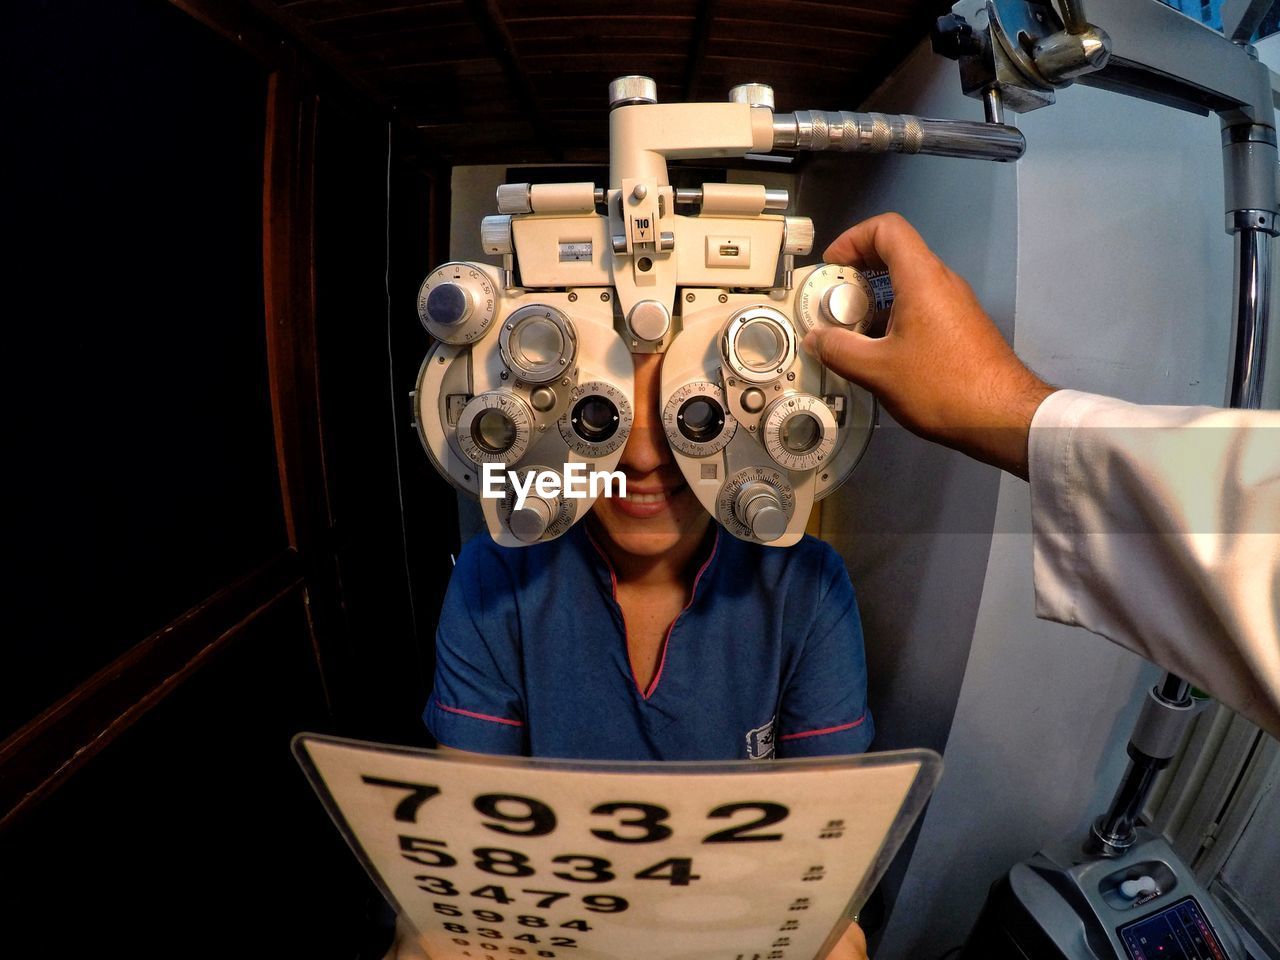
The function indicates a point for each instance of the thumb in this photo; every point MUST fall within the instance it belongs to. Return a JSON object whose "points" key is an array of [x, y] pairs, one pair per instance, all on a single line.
{"points": [[849, 354]]}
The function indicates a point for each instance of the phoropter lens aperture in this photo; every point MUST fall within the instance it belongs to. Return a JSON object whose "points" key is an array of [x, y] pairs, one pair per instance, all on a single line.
{"points": [[700, 419], [801, 433], [595, 418], [493, 431]]}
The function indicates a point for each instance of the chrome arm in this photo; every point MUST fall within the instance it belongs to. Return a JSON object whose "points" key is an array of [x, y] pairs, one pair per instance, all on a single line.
{"points": [[894, 133]]}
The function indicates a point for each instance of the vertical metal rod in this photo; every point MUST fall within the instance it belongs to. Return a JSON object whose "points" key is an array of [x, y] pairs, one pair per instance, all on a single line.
{"points": [[1252, 298], [1174, 689], [1073, 17], [1116, 827], [993, 105]]}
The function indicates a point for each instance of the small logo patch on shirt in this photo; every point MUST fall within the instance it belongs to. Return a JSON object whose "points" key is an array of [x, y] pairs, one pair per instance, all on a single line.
{"points": [[760, 741]]}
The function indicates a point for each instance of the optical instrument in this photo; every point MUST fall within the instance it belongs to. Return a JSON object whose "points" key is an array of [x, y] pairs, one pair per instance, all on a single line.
{"points": [[538, 375]]}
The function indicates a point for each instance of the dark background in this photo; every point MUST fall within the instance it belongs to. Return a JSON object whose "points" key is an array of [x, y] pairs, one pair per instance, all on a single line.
{"points": [[205, 529]]}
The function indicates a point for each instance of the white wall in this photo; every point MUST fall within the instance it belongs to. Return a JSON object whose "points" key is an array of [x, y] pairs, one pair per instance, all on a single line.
{"points": [[1110, 232]]}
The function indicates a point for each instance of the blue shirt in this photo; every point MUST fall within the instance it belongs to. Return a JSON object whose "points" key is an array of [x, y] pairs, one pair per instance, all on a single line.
{"points": [[765, 660]]}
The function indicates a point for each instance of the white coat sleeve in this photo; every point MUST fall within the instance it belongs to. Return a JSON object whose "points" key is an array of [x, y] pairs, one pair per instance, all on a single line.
{"points": [[1159, 528]]}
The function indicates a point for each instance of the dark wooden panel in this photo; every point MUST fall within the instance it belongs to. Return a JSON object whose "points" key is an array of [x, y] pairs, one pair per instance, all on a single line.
{"points": [[418, 55], [38, 758], [136, 382], [589, 29], [194, 833]]}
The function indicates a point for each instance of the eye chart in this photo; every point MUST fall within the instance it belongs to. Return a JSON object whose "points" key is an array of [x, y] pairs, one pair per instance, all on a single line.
{"points": [[497, 857]]}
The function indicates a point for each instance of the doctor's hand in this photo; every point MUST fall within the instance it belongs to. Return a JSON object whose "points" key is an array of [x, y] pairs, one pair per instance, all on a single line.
{"points": [[942, 369]]}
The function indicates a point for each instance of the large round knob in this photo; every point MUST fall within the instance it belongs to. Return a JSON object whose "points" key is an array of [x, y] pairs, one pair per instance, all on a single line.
{"points": [[530, 522], [759, 507], [846, 304], [625, 91], [449, 303], [457, 303], [649, 320]]}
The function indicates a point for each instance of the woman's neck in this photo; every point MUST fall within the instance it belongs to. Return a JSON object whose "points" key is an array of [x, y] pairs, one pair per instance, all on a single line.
{"points": [[674, 565]]}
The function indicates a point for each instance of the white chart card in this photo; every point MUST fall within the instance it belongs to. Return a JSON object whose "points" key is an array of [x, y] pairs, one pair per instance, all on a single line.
{"points": [[516, 859]]}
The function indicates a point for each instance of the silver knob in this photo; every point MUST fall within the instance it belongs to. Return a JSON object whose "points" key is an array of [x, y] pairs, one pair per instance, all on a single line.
{"points": [[797, 235], [759, 507], [649, 320], [530, 522], [625, 91], [514, 198], [457, 302], [845, 304], [495, 235], [449, 303], [753, 94]]}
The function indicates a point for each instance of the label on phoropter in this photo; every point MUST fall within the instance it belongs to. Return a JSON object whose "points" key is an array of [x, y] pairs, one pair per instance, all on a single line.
{"points": [[575, 251], [512, 858], [881, 287], [1181, 932]]}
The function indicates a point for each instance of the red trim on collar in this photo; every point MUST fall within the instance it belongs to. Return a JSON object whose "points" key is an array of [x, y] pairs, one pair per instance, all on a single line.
{"points": [[666, 640]]}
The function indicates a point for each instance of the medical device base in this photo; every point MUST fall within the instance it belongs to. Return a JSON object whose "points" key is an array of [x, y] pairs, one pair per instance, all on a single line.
{"points": [[1067, 904]]}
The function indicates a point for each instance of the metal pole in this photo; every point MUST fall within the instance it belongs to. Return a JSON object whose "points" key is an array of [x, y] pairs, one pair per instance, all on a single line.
{"points": [[1252, 308]]}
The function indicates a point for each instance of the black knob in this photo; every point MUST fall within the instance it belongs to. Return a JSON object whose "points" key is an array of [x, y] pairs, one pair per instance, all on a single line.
{"points": [[952, 37]]}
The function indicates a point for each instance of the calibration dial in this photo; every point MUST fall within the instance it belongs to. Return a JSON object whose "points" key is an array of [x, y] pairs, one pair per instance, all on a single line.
{"points": [[756, 504], [696, 420], [798, 431], [539, 517], [457, 303], [538, 343], [494, 427], [836, 295], [598, 420]]}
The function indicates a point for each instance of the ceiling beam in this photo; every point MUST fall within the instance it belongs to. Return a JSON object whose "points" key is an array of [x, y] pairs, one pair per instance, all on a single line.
{"points": [[493, 25]]}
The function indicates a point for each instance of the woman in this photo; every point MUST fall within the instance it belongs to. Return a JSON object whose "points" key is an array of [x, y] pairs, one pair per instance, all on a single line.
{"points": [[647, 632]]}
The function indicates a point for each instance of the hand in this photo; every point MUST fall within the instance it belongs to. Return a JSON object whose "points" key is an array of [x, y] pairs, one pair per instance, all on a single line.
{"points": [[852, 946], [942, 369]]}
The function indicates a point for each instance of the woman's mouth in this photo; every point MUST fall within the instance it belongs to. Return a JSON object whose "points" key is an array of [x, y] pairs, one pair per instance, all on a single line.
{"points": [[642, 504]]}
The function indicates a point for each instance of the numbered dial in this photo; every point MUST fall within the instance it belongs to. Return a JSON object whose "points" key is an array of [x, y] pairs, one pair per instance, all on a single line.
{"points": [[494, 427], [457, 303], [696, 420], [836, 295], [538, 517], [799, 431], [598, 420], [538, 343], [758, 344], [756, 504]]}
